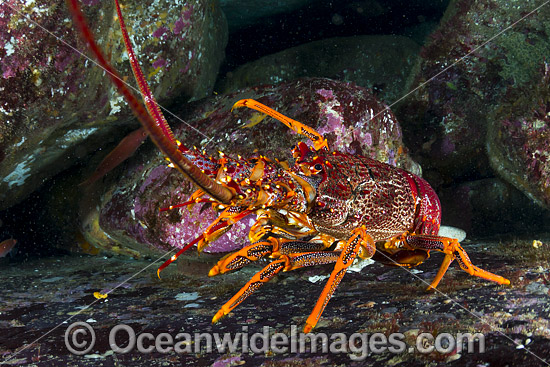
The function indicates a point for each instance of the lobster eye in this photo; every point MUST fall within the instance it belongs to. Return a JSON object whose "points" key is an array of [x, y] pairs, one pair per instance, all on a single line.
{"points": [[318, 167]]}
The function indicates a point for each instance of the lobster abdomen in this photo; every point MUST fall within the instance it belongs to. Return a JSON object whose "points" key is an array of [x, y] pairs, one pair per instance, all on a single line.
{"points": [[427, 218]]}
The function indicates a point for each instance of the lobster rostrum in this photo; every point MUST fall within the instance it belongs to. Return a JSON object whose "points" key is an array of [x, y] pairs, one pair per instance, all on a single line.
{"points": [[328, 208]]}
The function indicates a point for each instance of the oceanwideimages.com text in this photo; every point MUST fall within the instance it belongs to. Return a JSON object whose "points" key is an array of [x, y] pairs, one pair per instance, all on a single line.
{"points": [[80, 339]]}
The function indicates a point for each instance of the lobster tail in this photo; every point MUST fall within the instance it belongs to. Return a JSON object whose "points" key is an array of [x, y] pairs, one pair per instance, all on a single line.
{"points": [[152, 119]]}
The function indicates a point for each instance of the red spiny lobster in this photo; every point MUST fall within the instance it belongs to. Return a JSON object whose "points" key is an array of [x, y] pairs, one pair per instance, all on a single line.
{"points": [[330, 207]]}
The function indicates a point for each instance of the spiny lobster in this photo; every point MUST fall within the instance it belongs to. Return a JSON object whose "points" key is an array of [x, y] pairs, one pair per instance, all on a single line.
{"points": [[329, 207]]}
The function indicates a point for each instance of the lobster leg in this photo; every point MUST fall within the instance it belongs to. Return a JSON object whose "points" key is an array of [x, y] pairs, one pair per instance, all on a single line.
{"points": [[283, 263], [359, 240], [221, 225], [319, 141], [453, 251], [270, 246], [243, 257]]}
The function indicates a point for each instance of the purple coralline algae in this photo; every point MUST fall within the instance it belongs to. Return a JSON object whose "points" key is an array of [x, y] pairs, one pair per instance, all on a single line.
{"points": [[128, 217], [455, 107], [56, 105], [519, 138]]}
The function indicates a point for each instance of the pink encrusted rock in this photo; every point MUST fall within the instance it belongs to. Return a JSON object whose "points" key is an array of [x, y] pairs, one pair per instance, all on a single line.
{"points": [[56, 106], [519, 139], [352, 120], [446, 120]]}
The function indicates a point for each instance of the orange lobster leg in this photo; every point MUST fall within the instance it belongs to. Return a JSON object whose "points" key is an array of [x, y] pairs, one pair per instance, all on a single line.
{"points": [[452, 250], [283, 263], [447, 260], [271, 246], [319, 142], [359, 240], [244, 256], [221, 225]]}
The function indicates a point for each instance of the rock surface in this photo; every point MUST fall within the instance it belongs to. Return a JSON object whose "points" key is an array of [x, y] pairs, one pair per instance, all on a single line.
{"points": [[454, 109], [42, 298], [381, 63], [44, 292], [490, 206], [56, 106], [519, 138]]}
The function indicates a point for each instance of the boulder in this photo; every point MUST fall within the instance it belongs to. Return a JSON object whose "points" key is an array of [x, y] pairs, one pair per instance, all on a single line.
{"points": [[56, 105], [380, 63]]}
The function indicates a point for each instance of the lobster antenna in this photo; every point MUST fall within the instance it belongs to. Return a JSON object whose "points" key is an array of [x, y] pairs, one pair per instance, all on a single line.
{"points": [[154, 124], [150, 101]]}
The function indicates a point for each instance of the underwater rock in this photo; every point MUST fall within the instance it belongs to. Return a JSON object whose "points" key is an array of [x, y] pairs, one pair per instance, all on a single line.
{"points": [[241, 14], [126, 214], [57, 106], [519, 137], [381, 63], [446, 120], [490, 207]]}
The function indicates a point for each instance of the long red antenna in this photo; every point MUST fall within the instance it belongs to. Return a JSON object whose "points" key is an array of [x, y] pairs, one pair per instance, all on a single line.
{"points": [[154, 124], [150, 102]]}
